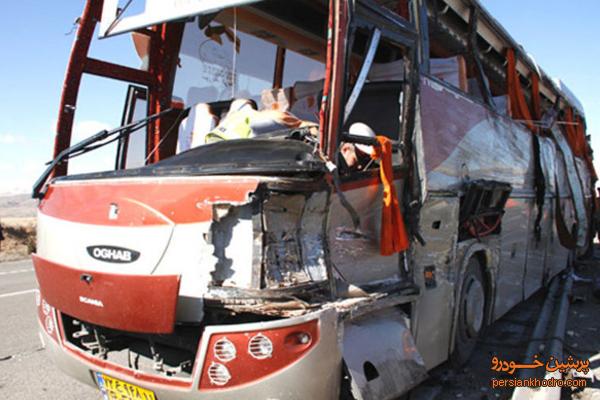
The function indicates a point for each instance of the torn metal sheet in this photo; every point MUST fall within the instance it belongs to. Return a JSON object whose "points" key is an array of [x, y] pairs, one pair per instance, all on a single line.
{"points": [[294, 238], [552, 166], [231, 237], [585, 177], [462, 140], [356, 254], [575, 186], [381, 356], [548, 161], [513, 253], [433, 309]]}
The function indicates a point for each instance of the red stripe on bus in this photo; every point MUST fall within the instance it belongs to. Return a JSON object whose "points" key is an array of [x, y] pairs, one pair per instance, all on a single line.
{"points": [[148, 202], [133, 303]]}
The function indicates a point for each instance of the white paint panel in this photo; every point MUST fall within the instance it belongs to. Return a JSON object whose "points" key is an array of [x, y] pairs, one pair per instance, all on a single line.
{"points": [[181, 250], [158, 11], [65, 243]]}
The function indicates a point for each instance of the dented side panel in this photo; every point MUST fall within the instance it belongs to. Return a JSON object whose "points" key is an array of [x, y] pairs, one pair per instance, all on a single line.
{"points": [[463, 140], [381, 356], [434, 309], [576, 187], [356, 255]]}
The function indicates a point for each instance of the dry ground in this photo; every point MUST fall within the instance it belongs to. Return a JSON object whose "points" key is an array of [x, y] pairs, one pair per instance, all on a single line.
{"points": [[19, 238], [17, 218]]}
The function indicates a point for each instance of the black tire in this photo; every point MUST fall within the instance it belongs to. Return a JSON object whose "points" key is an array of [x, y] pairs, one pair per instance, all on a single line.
{"points": [[471, 314]]}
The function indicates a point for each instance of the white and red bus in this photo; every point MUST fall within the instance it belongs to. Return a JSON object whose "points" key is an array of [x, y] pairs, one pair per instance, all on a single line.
{"points": [[310, 199]]}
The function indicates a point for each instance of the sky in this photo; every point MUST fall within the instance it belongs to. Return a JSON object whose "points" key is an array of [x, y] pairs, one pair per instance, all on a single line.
{"points": [[36, 38]]}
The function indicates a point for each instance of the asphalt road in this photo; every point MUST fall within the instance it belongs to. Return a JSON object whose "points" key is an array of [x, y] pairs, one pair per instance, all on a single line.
{"points": [[26, 372]]}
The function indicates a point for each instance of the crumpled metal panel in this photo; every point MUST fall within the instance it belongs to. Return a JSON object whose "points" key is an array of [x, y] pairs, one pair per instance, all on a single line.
{"points": [[433, 309], [553, 166], [575, 186], [557, 255], [536, 249], [294, 238], [548, 160], [463, 140], [357, 255], [381, 356], [584, 174], [486, 153], [536, 269], [513, 254], [313, 235]]}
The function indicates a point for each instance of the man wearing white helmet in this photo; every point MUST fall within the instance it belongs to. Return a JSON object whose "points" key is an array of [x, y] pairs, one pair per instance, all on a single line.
{"points": [[358, 156]]}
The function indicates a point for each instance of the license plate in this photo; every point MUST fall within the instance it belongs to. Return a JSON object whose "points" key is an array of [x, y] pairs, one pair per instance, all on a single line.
{"points": [[116, 389]]}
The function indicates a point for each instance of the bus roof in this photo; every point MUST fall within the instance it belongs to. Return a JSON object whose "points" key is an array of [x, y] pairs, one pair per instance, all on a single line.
{"points": [[498, 38], [117, 20]]}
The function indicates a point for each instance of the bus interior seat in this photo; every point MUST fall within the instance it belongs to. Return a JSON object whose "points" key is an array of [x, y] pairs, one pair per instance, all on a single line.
{"points": [[192, 129], [302, 99], [276, 99], [307, 96]]}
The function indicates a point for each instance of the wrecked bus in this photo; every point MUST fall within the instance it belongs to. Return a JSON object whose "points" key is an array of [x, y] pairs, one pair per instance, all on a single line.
{"points": [[310, 199]]}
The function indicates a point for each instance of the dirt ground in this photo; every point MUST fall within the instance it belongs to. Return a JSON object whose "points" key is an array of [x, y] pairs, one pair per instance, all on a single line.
{"points": [[19, 238]]}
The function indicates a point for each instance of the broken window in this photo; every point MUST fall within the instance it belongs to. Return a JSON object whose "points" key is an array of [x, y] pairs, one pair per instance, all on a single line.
{"points": [[374, 104], [213, 68]]}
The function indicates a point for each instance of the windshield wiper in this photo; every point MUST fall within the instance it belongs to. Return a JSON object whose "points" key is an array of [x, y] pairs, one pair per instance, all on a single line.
{"points": [[90, 144]]}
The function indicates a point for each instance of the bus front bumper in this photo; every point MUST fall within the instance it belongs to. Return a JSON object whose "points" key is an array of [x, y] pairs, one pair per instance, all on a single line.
{"points": [[316, 375]]}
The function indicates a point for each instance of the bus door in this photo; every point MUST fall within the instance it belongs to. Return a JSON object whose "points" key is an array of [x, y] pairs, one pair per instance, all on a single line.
{"points": [[378, 67]]}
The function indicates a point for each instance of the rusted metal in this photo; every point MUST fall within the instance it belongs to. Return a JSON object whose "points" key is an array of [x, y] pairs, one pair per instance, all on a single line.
{"points": [[340, 30], [164, 49], [66, 111], [116, 71], [279, 66]]}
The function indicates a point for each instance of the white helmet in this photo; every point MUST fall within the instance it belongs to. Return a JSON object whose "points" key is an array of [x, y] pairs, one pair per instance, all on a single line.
{"points": [[360, 129]]}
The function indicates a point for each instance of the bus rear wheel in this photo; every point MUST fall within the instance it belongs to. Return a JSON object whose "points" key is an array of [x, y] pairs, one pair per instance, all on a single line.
{"points": [[471, 314]]}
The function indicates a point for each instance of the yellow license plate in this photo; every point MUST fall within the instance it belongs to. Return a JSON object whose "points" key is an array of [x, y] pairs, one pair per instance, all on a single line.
{"points": [[116, 389]]}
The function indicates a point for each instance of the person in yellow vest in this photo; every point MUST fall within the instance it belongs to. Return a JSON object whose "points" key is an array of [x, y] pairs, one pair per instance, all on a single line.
{"points": [[244, 121]]}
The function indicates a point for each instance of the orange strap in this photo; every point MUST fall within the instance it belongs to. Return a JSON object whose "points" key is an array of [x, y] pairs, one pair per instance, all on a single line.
{"points": [[575, 133], [536, 101], [393, 232], [518, 104]]}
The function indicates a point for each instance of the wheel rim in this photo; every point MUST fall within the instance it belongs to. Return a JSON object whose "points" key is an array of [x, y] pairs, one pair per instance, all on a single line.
{"points": [[474, 302]]}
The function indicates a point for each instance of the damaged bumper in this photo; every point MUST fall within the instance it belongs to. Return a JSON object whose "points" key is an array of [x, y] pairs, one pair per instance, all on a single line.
{"points": [[319, 362]]}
